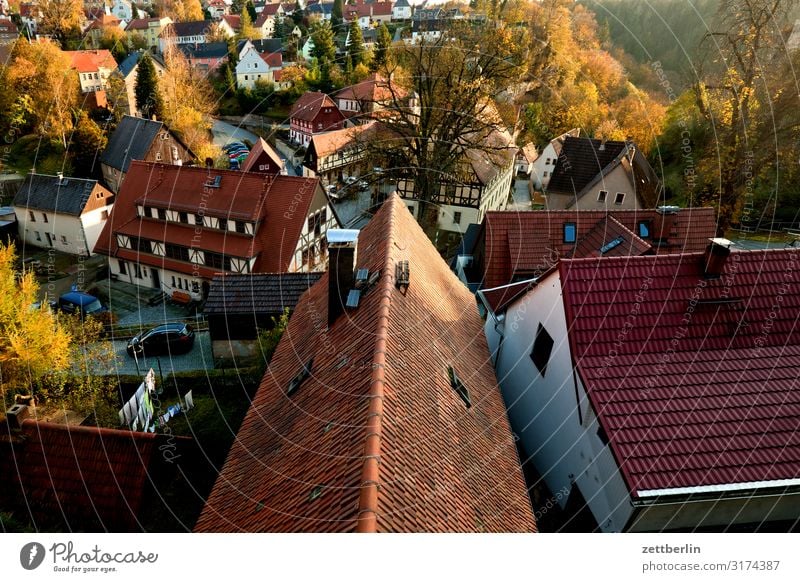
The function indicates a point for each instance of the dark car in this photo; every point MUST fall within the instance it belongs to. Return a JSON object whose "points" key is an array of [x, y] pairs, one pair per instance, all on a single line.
{"points": [[78, 302], [172, 338]]}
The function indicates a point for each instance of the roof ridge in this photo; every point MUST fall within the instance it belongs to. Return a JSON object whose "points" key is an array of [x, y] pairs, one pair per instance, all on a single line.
{"points": [[370, 471]]}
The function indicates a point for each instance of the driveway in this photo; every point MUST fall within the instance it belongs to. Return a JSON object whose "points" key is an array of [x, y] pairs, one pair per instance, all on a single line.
{"points": [[199, 358], [225, 133]]}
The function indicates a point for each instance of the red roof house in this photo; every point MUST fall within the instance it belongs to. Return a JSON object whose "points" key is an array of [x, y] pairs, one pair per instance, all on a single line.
{"points": [[313, 112], [263, 158], [379, 417], [661, 390], [174, 227], [518, 246]]}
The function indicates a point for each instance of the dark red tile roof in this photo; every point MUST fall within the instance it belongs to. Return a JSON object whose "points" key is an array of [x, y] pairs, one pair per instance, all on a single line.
{"points": [[376, 439], [82, 476], [259, 148], [257, 293], [307, 107], [525, 244], [694, 380], [280, 203]]}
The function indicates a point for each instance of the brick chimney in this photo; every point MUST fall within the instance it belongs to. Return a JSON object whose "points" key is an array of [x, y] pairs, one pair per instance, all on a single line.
{"points": [[662, 229], [341, 269], [715, 257]]}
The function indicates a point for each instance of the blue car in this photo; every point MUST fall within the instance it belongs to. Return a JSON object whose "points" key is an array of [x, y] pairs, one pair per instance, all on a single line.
{"points": [[79, 302]]}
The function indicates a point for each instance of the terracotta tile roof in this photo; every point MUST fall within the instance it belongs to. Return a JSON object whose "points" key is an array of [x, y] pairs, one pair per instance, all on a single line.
{"points": [[103, 21], [140, 23], [308, 105], [702, 388], [257, 293], [270, 10], [376, 439], [259, 148], [85, 476], [273, 60], [279, 203], [91, 61], [330, 142], [611, 238], [233, 20], [522, 244]]}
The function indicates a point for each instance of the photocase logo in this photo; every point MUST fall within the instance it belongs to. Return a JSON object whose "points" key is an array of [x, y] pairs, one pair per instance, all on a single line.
{"points": [[32, 555]]}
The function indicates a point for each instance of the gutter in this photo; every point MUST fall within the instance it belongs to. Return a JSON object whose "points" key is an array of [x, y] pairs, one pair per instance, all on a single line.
{"points": [[750, 489]]}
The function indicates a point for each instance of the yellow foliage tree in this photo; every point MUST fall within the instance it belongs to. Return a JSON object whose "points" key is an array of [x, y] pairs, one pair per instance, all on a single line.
{"points": [[181, 10]]}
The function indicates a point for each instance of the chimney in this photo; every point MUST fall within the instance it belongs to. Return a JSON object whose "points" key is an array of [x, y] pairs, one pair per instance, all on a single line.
{"points": [[715, 256], [663, 228], [15, 415], [341, 266]]}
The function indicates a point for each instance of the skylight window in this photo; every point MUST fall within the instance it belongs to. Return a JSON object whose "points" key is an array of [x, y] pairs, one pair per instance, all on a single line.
{"points": [[458, 386], [644, 229], [542, 348], [301, 377], [570, 232], [611, 245]]}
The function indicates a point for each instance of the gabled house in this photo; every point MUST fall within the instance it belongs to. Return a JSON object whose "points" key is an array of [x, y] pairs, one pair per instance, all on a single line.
{"points": [[519, 246], [660, 390], [140, 139], [591, 174], [265, 22], [526, 156], [401, 10], [259, 60], [195, 32], [321, 10], [98, 27], [122, 9], [545, 163], [61, 213], [481, 183], [173, 228], [334, 155], [217, 9], [367, 421], [205, 57], [263, 159], [313, 113], [230, 25], [93, 68], [129, 70], [238, 307], [149, 29], [30, 15], [361, 101]]}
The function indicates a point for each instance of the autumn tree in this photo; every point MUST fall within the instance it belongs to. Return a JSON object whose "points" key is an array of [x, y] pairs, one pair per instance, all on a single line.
{"points": [[181, 10], [383, 43], [455, 80], [114, 39], [324, 51], [61, 18], [33, 344], [148, 97], [248, 31], [87, 142]]}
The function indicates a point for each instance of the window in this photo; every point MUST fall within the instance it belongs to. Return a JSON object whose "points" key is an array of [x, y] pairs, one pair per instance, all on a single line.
{"points": [[602, 195], [456, 218], [123, 268], [44, 217], [141, 245], [619, 198], [545, 175], [458, 386], [643, 229], [183, 217], [301, 376], [198, 219], [569, 232], [162, 214], [217, 261], [38, 236], [32, 215], [63, 239], [99, 195], [542, 348], [195, 287], [547, 162], [240, 227], [180, 283], [158, 156], [138, 270], [178, 252], [103, 214], [223, 224], [173, 280]]}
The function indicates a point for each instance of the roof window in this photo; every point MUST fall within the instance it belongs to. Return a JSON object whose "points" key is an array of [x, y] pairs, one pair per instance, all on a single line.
{"points": [[458, 386], [301, 377]]}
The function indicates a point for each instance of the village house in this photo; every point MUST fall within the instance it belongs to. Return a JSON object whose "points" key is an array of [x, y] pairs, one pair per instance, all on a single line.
{"points": [[259, 60], [526, 156], [205, 57], [230, 25], [173, 228], [518, 246], [401, 10], [591, 174], [401, 425], [264, 159], [93, 68], [659, 390], [335, 155], [313, 113], [368, 14], [545, 163], [30, 14], [140, 139], [98, 26], [62, 213], [265, 23], [217, 9], [321, 10], [178, 33], [482, 183], [149, 29], [129, 71], [239, 306], [360, 102], [122, 9]]}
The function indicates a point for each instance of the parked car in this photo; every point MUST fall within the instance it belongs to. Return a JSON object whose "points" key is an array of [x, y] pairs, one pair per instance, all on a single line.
{"points": [[169, 339], [79, 302], [334, 192], [350, 180], [363, 185]]}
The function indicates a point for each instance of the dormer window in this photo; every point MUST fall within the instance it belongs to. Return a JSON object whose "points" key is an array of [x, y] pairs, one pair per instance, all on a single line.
{"points": [[300, 377]]}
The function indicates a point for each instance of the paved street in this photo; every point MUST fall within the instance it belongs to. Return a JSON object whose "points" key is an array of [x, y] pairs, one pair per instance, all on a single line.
{"points": [[199, 358], [225, 133], [522, 198]]}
